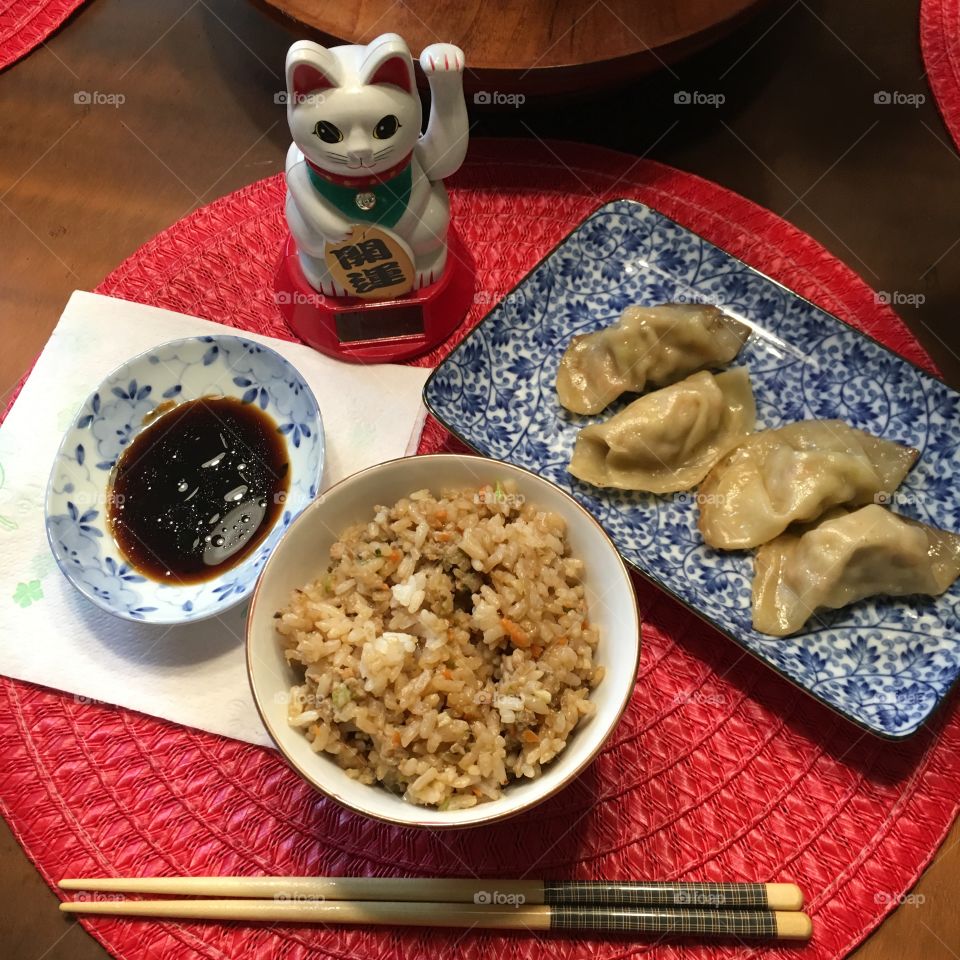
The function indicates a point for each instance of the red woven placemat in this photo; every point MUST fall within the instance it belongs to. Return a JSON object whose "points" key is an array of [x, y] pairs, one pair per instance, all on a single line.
{"points": [[26, 23], [719, 769], [940, 43]]}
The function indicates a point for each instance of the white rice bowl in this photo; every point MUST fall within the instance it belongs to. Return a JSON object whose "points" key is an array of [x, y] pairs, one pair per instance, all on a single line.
{"points": [[431, 642]]}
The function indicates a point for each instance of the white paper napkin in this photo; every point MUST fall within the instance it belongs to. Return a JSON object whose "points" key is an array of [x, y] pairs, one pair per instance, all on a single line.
{"points": [[50, 634]]}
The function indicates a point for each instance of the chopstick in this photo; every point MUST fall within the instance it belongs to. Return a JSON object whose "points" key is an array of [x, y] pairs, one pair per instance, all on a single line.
{"points": [[764, 896], [763, 924]]}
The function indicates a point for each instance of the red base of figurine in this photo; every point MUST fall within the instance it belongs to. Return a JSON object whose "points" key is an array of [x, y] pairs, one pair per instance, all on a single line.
{"points": [[365, 331]]}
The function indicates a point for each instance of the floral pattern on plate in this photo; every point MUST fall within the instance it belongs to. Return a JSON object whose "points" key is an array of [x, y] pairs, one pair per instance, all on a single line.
{"points": [[885, 664], [77, 494]]}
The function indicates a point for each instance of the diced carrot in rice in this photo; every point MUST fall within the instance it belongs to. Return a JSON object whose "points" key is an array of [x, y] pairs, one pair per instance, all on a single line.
{"points": [[518, 636]]}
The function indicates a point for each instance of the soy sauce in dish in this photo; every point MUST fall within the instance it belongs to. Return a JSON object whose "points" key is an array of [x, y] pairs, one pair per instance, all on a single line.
{"points": [[198, 489]]}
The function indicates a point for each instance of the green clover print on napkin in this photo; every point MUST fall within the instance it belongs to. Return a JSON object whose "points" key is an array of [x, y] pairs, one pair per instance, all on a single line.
{"points": [[27, 593]]}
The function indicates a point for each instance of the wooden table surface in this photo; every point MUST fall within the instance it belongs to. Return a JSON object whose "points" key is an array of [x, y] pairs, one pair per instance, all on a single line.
{"points": [[560, 46], [83, 185]]}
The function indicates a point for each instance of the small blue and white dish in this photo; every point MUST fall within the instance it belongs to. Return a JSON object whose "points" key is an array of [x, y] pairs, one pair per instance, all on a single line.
{"points": [[106, 424], [886, 663]]}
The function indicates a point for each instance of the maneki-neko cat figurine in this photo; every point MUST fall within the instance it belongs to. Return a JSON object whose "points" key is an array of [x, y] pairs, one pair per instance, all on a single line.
{"points": [[371, 269]]}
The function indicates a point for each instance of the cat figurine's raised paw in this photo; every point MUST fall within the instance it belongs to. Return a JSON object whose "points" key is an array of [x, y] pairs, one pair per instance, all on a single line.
{"points": [[358, 157]]}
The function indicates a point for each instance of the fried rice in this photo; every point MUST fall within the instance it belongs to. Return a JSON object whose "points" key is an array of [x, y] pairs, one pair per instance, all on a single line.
{"points": [[446, 650]]}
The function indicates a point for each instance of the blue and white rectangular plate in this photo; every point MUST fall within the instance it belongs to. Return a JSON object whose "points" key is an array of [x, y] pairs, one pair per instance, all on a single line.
{"points": [[885, 664]]}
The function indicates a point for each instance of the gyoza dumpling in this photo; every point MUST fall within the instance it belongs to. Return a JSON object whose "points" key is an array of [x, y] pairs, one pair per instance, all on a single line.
{"points": [[795, 473], [670, 438], [866, 553], [646, 347]]}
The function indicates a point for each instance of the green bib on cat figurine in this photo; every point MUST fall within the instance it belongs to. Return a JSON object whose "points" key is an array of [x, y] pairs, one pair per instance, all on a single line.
{"points": [[380, 203]]}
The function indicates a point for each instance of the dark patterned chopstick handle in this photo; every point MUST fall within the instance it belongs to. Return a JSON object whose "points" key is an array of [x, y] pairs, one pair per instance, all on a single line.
{"points": [[765, 924], [686, 895]]}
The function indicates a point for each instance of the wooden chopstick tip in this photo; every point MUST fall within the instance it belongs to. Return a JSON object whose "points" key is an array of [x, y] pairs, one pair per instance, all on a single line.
{"points": [[793, 925], [77, 906], [784, 896], [110, 905]]}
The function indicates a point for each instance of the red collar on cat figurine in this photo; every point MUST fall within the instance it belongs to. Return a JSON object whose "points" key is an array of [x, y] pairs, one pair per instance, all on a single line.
{"points": [[361, 181]]}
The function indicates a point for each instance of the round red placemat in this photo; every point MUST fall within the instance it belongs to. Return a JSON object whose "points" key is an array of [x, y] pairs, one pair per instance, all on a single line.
{"points": [[24, 24], [719, 769], [940, 43]]}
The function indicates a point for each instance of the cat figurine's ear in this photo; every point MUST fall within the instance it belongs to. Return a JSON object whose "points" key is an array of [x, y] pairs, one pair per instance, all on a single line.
{"points": [[388, 61], [310, 67]]}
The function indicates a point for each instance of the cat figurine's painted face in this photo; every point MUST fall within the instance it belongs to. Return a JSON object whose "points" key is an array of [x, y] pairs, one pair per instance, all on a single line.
{"points": [[353, 110]]}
